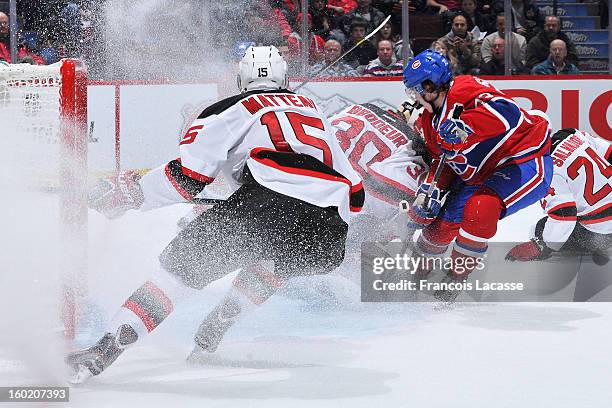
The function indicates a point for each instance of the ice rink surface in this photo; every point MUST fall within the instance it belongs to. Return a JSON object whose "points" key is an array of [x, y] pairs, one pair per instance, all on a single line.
{"points": [[296, 352]]}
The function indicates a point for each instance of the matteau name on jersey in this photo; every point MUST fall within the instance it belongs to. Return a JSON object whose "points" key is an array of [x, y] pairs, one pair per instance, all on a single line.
{"points": [[255, 103], [286, 143]]}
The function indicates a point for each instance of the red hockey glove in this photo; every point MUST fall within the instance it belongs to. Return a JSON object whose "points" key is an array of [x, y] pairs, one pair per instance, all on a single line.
{"points": [[112, 196], [532, 250]]}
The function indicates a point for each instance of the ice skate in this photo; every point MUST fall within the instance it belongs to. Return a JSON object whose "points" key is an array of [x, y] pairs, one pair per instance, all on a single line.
{"points": [[213, 328], [95, 359], [451, 288]]}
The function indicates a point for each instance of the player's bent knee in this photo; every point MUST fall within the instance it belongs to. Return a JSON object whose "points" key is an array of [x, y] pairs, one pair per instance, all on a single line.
{"points": [[481, 213]]}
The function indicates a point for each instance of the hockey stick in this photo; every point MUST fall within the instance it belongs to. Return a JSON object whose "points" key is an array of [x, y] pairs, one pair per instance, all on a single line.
{"points": [[404, 206], [334, 62], [456, 113]]}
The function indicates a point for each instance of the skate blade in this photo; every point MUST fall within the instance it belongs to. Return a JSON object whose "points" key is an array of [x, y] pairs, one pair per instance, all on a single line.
{"points": [[80, 376], [199, 356]]}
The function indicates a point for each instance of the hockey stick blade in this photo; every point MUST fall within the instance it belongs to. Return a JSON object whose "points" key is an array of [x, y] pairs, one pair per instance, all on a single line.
{"points": [[334, 62]]}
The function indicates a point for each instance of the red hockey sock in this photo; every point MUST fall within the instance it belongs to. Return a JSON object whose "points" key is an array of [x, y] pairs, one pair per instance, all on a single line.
{"points": [[480, 216], [150, 304], [433, 242], [255, 284]]}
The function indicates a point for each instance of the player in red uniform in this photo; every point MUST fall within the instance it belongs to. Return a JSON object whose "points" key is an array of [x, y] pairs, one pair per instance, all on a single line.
{"points": [[496, 158]]}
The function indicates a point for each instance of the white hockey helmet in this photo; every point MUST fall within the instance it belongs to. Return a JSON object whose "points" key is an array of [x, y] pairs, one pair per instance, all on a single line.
{"points": [[262, 68]]}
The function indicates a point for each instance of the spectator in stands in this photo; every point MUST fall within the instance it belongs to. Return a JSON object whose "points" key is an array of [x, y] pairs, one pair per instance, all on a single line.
{"points": [[466, 47], [322, 18], [49, 53], [25, 53], [443, 6], [5, 51], [394, 8], [556, 63], [292, 6], [372, 16], [386, 64], [527, 19], [519, 44], [496, 65], [363, 54], [333, 50], [333, 21], [387, 32], [295, 42], [440, 46], [4, 30], [398, 49], [538, 49], [341, 7], [474, 17]]}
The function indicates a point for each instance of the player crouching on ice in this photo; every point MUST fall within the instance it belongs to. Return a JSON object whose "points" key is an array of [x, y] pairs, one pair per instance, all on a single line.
{"points": [[291, 210], [495, 157], [578, 204]]}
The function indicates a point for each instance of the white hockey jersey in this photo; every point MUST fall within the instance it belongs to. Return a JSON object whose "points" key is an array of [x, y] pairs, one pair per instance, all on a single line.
{"points": [[389, 156], [283, 139], [581, 189]]}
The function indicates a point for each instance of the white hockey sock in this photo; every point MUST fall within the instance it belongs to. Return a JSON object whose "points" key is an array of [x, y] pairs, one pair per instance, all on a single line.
{"points": [[150, 304]]}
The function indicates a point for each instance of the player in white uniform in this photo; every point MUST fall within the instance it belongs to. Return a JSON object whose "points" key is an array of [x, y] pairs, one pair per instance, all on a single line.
{"points": [[579, 202], [391, 157], [291, 211]]}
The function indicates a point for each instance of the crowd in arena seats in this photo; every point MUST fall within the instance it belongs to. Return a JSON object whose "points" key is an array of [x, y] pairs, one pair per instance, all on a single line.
{"points": [[469, 32], [48, 30]]}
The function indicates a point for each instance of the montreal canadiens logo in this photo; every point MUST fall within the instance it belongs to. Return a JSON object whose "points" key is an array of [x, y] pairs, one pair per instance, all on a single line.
{"points": [[416, 64]]}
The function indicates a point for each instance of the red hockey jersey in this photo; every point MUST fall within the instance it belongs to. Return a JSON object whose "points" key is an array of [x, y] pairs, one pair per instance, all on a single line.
{"points": [[503, 132]]}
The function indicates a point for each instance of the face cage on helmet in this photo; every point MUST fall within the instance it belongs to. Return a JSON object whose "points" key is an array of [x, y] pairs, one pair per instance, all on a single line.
{"points": [[415, 91], [421, 90]]}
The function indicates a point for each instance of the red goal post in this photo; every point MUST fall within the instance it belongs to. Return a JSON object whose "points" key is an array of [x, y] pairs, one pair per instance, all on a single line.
{"points": [[44, 114]]}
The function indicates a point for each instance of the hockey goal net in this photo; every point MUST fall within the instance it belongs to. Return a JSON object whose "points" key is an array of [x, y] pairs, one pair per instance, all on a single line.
{"points": [[43, 119]]}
